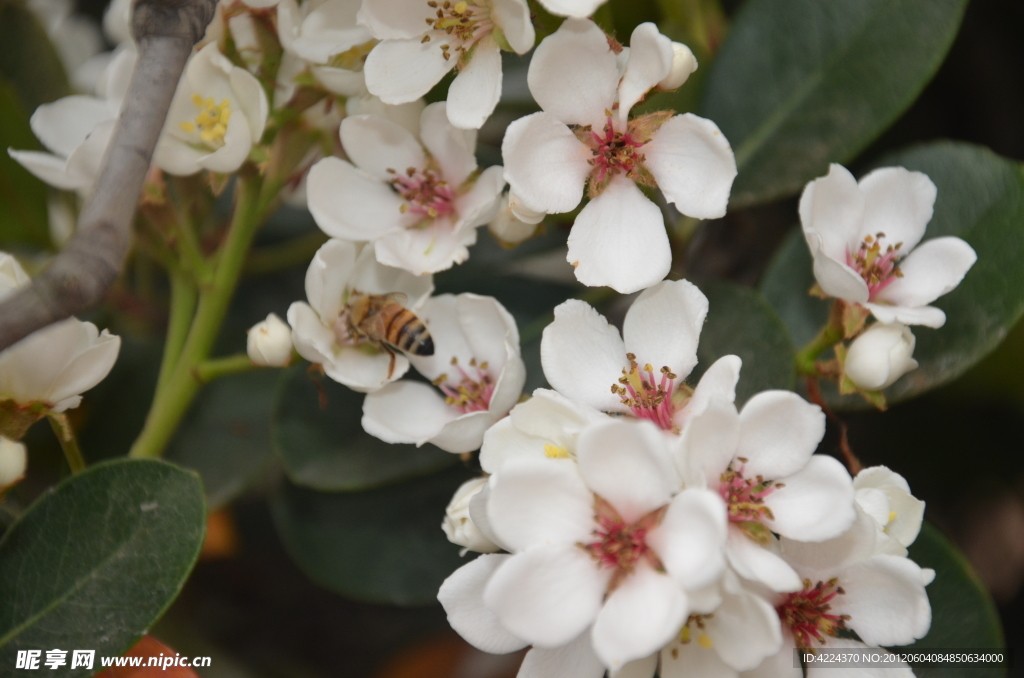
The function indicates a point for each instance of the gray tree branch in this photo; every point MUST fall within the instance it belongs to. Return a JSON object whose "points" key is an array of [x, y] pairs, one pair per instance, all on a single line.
{"points": [[165, 32]]}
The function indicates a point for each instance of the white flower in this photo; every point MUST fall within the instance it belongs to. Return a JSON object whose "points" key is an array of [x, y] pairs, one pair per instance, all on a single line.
{"points": [[325, 35], [419, 203], [13, 460], [584, 137], [645, 545], [683, 65], [642, 372], [218, 112], [458, 523], [762, 462], [322, 330], [477, 376], [55, 365], [574, 8], [885, 496], [880, 356], [507, 228], [269, 343], [864, 239], [421, 40]]}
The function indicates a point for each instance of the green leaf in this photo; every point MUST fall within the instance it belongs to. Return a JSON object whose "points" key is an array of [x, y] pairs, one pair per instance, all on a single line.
{"points": [[963, 615], [801, 83], [28, 60], [381, 546], [23, 217], [94, 562], [327, 449], [226, 435], [740, 322], [980, 199]]}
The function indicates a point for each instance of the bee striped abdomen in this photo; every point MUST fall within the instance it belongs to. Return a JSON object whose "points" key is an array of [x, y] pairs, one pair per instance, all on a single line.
{"points": [[406, 332]]}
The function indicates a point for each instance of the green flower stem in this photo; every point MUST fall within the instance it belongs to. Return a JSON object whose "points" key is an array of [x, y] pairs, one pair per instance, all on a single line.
{"points": [[68, 442], [183, 306], [173, 400], [215, 368], [830, 335]]}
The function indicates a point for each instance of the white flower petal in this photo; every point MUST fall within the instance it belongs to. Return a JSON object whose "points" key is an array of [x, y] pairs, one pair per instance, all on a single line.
{"points": [[663, 326], [394, 19], [760, 564], [573, 74], [928, 316], [475, 91], [92, 361], [230, 156], [691, 536], [441, 316], [252, 101], [890, 668], [452, 148], [548, 594], [694, 165], [719, 381], [650, 60], [932, 270], [549, 415], [545, 164], [85, 162], [487, 326], [462, 596], [63, 125], [639, 617], [745, 629], [832, 207], [778, 665], [835, 277], [375, 145], [513, 18], [371, 277], [464, 433], [49, 168], [816, 503], [479, 204], [576, 659], [364, 372], [348, 203], [824, 559], [340, 81], [619, 240], [503, 442], [329, 277], [509, 387], [435, 247], [406, 412], [627, 464], [690, 660], [583, 356], [886, 600], [534, 502], [898, 203], [708, 444], [779, 432], [573, 8], [400, 71], [311, 339]]}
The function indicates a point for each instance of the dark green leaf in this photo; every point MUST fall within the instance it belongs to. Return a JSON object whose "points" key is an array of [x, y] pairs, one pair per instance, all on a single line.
{"points": [[93, 563], [23, 217], [381, 546], [28, 59], [963, 615], [801, 83], [740, 322], [980, 199], [327, 449], [226, 435]]}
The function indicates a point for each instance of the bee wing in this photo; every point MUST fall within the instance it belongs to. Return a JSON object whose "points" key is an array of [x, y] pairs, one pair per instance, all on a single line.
{"points": [[400, 298]]}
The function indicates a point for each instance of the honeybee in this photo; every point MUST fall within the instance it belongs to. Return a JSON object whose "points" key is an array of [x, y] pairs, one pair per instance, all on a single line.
{"points": [[384, 320]]}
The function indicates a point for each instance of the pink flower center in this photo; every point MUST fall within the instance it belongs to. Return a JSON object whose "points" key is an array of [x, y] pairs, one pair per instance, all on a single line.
{"points": [[465, 24], [806, 612], [614, 152], [648, 396], [425, 192], [619, 545], [876, 262], [472, 392], [745, 500]]}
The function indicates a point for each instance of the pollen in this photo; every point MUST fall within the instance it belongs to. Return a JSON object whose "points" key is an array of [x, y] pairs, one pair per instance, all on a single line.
{"points": [[211, 123], [876, 262], [808, 615], [472, 392], [704, 640], [463, 24], [647, 394], [555, 452]]}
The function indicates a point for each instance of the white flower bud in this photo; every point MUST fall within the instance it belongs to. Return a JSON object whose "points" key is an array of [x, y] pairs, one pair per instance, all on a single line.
{"points": [[12, 462], [459, 526], [683, 64], [508, 228], [880, 356], [270, 343]]}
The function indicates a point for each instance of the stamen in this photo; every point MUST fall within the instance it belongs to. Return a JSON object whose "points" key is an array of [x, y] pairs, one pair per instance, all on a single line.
{"points": [[472, 393], [425, 193], [465, 24], [876, 262], [211, 123], [620, 546], [647, 396], [745, 500], [807, 615]]}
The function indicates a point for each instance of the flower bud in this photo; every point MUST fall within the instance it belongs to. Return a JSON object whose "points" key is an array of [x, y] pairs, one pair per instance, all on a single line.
{"points": [[508, 228], [880, 356], [683, 64], [457, 522], [12, 462], [270, 343]]}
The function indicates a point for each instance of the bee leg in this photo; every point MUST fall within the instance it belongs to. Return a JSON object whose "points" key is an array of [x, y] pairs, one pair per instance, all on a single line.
{"points": [[391, 366]]}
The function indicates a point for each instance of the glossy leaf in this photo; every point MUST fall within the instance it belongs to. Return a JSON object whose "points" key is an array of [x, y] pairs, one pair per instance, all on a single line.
{"points": [[963, 615], [980, 199], [382, 546], [23, 215], [740, 322], [801, 83], [327, 449], [93, 563]]}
